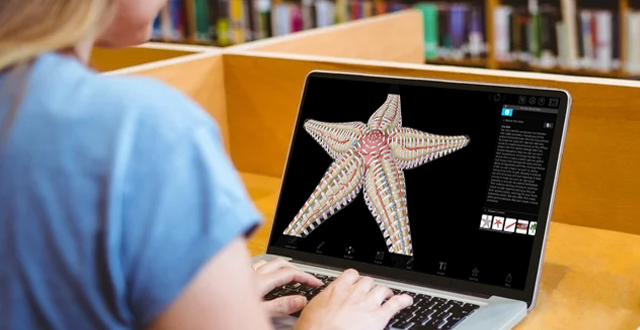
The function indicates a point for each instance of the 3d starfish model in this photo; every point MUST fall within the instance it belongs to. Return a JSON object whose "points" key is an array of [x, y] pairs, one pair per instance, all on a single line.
{"points": [[374, 156]]}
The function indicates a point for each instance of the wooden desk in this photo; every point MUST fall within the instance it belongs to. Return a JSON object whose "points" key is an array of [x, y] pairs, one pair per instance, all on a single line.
{"points": [[590, 277]]}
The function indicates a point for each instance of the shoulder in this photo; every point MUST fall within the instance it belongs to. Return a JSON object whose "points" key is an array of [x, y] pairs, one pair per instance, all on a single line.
{"points": [[156, 110], [116, 102], [104, 120]]}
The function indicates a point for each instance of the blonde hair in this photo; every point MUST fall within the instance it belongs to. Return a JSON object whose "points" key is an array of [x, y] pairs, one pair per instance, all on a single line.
{"points": [[29, 28]]}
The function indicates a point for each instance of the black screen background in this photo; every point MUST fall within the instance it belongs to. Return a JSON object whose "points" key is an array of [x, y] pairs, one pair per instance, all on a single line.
{"points": [[445, 196]]}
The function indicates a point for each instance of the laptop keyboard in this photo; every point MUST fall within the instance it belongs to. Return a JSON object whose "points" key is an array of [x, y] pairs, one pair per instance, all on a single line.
{"points": [[427, 312]]}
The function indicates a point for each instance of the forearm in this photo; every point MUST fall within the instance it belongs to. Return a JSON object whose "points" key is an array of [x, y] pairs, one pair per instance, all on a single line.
{"points": [[223, 296]]}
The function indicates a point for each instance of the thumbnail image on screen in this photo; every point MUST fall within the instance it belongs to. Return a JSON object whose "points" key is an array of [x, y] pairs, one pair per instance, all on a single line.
{"points": [[371, 158]]}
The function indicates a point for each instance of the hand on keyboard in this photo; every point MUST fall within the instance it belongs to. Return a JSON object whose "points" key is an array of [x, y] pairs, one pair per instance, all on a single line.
{"points": [[352, 302], [426, 313], [279, 272]]}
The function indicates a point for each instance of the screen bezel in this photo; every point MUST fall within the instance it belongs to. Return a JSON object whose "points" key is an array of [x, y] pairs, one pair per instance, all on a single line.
{"points": [[529, 294]]}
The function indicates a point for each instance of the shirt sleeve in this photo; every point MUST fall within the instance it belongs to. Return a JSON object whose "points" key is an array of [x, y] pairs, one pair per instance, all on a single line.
{"points": [[183, 203]]}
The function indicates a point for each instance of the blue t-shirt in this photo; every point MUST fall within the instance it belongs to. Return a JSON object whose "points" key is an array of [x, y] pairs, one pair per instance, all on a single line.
{"points": [[114, 192]]}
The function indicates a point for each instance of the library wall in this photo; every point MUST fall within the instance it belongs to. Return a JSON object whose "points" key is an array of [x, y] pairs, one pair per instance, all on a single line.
{"points": [[598, 181], [392, 37], [103, 60]]}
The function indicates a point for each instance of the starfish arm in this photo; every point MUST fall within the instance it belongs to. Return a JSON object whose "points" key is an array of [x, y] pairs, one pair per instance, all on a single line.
{"points": [[412, 148], [385, 195], [335, 138], [388, 116], [340, 185]]}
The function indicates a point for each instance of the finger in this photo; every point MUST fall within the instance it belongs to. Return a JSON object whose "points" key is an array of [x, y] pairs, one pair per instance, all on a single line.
{"points": [[258, 264], [285, 276], [365, 284], [348, 278], [395, 304], [285, 305], [274, 265], [380, 293]]}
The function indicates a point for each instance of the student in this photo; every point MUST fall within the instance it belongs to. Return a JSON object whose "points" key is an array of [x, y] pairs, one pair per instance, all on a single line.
{"points": [[119, 208]]}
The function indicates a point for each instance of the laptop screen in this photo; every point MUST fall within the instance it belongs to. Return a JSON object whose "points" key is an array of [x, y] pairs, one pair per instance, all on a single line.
{"points": [[442, 183]]}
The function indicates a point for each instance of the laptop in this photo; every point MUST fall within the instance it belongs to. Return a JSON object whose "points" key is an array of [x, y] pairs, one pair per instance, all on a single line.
{"points": [[439, 189]]}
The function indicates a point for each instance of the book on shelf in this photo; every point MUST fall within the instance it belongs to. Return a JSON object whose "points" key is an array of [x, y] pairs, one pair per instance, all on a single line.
{"points": [[453, 31], [228, 22], [633, 42], [171, 23], [202, 22], [565, 36]]}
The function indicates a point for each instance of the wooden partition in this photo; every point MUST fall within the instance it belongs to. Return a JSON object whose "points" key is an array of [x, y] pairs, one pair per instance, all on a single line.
{"points": [[391, 37], [104, 60], [598, 185]]}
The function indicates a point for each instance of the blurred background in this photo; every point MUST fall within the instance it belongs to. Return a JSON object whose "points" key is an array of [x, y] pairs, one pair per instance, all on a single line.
{"points": [[579, 37]]}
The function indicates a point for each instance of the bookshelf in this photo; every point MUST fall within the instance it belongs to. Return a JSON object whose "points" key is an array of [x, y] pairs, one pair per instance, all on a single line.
{"points": [[524, 35], [571, 37], [224, 23]]}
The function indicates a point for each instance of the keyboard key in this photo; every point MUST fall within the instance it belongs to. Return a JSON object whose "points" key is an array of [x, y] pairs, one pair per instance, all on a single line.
{"points": [[433, 323], [412, 294], [443, 325], [434, 304], [467, 309], [423, 296], [421, 319], [470, 307], [271, 295], [423, 303], [289, 292], [306, 289], [430, 313], [403, 325], [411, 309], [448, 306], [402, 315], [442, 315], [453, 320], [454, 309]]}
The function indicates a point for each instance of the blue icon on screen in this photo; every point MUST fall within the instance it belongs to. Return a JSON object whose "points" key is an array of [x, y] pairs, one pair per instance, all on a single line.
{"points": [[507, 112]]}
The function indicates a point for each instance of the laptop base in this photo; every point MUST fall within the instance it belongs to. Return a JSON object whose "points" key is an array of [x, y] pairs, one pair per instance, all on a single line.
{"points": [[495, 313]]}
